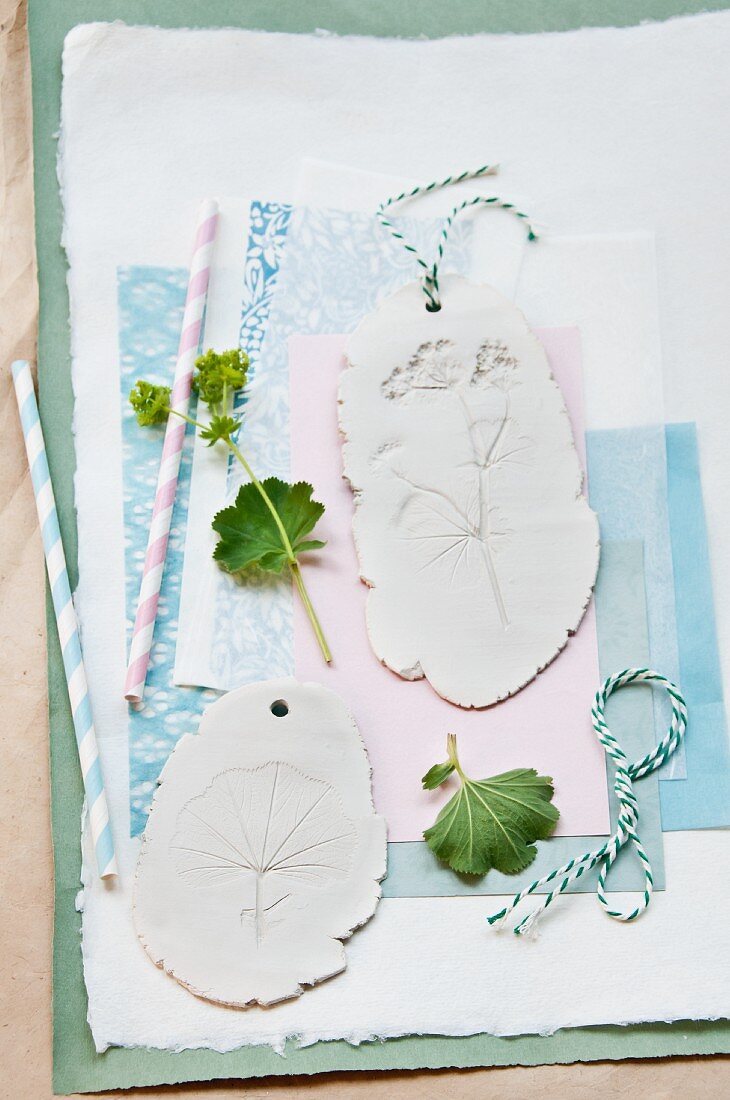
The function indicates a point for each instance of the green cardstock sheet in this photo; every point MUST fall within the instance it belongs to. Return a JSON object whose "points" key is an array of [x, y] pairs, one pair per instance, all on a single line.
{"points": [[77, 1067]]}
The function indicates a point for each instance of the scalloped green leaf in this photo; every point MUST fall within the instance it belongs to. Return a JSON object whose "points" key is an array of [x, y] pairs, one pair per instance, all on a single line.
{"points": [[492, 823]]}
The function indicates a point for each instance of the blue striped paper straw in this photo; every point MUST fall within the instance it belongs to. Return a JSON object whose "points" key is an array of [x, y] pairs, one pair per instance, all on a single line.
{"points": [[68, 629]]}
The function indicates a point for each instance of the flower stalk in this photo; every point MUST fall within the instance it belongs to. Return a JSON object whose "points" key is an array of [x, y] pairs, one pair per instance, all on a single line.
{"points": [[218, 377]]}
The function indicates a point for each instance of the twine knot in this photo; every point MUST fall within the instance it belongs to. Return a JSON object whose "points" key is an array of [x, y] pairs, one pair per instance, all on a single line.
{"points": [[628, 815]]}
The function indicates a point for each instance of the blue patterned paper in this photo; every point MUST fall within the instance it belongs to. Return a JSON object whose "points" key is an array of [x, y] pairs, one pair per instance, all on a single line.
{"points": [[151, 302], [264, 627], [268, 227]]}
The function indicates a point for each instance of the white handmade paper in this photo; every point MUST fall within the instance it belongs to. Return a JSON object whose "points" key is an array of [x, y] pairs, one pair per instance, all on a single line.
{"points": [[598, 131], [608, 287]]}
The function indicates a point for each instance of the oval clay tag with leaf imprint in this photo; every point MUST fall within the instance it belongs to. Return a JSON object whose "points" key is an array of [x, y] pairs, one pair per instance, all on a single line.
{"points": [[472, 532], [262, 851]]}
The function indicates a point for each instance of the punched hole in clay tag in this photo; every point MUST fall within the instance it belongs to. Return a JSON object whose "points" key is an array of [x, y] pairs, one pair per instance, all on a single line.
{"points": [[279, 708]]}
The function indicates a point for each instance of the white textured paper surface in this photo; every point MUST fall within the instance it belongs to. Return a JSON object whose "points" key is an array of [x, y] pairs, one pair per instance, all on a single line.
{"points": [[407, 972], [607, 286], [599, 131]]}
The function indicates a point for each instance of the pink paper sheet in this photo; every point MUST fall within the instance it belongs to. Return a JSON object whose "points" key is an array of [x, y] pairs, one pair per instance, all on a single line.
{"points": [[404, 724]]}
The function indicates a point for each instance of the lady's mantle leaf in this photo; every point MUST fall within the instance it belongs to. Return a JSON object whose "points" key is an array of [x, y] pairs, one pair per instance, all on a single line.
{"points": [[249, 534], [436, 775], [491, 822], [220, 428]]}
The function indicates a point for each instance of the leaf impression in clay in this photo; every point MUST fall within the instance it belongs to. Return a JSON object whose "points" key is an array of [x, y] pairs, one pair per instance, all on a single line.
{"points": [[273, 823], [471, 528], [262, 851]]}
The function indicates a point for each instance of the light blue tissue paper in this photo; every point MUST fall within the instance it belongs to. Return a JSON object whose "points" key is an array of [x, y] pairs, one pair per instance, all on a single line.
{"points": [[702, 800]]}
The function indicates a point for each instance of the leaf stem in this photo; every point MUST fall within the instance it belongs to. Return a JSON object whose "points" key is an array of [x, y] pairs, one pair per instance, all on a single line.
{"points": [[484, 465], [290, 555], [184, 416], [453, 757], [266, 498], [319, 634]]}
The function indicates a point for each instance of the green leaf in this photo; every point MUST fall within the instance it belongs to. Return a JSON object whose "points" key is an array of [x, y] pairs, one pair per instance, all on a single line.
{"points": [[491, 823], [219, 373], [310, 544], [249, 534], [436, 775], [151, 403], [220, 427]]}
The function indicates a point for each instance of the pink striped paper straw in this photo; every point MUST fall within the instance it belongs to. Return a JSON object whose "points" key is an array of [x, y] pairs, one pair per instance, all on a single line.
{"points": [[154, 564]]}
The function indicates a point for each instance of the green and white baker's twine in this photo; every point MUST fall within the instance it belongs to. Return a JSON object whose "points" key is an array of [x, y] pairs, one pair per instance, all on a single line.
{"points": [[628, 809], [431, 271]]}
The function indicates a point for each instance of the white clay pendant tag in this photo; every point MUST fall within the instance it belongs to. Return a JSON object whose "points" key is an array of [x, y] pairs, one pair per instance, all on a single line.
{"points": [[472, 532], [262, 850]]}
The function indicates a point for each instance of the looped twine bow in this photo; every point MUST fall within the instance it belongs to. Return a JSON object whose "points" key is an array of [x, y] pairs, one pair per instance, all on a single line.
{"points": [[628, 816], [430, 278]]}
